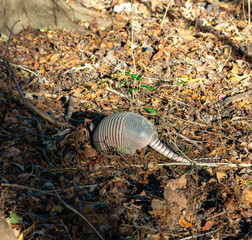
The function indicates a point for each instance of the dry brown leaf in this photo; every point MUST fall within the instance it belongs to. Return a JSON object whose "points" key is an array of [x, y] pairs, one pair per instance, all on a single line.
{"points": [[247, 197], [235, 69], [184, 223], [240, 181], [55, 57], [244, 103], [208, 225], [11, 152], [247, 214], [177, 183], [221, 176], [250, 146], [43, 70], [48, 57], [156, 102], [175, 197], [158, 55]]}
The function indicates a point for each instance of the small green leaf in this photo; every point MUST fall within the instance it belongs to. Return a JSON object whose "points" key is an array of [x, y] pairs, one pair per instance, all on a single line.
{"points": [[114, 76], [151, 110], [117, 175], [122, 149], [86, 24], [122, 82], [147, 87], [14, 219], [190, 27], [127, 73], [138, 78], [182, 83], [130, 90], [43, 29], [134, 75], [57, 209]]}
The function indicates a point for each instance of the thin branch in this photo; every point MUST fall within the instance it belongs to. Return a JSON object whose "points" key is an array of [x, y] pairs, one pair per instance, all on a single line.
{"points": [[132, 46], [187, 139], [166, 11], [23, 68], [9, 41], [83, 217], [70, 107], [137, 226], [236, 97], [199, 235], [221, 67], [232, 165], [28, 188], [248, 14], [66, 228], [118, 93]]}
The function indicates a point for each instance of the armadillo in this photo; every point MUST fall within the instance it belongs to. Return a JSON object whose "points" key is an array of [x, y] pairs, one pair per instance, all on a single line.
{"points": [[127, 132]]}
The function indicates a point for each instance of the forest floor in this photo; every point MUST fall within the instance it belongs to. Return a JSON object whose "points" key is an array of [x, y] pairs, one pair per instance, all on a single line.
{"points": [[191, 76]]}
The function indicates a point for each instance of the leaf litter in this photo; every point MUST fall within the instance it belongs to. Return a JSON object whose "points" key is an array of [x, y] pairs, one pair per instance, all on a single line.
{"points": [[194, 68]]}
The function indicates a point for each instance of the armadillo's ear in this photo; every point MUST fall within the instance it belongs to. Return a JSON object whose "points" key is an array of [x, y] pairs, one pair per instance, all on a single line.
{"points": [[91, 127]]}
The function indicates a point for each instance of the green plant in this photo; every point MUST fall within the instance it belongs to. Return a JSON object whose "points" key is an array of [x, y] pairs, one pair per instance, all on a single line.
{"points": [[14, 219], [130, 82]]}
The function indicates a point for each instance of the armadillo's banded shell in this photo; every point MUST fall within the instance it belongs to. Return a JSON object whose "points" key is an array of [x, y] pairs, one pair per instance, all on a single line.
{"points": [[126, 131]]}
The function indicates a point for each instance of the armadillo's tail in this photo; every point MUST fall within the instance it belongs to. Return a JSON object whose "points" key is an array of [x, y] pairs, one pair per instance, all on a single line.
{"points": [[165, 150]]}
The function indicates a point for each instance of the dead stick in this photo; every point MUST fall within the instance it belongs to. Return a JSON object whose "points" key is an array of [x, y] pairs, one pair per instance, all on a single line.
{"points": [[199, 235], [70, 107], [26, 187], [83, 217], [232, 165]]}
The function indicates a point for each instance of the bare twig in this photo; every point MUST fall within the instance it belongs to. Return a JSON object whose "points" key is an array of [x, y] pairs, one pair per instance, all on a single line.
{"points": [[232, 165], [137, 226], [187, 139], [70, 107], [236, 97], [132, 46], [28, 188], [83, 217], [23, 68], [199, 235], [248, 14], [217, 215], [166, 11], [66, 228], [221, 67], [118, 93]]}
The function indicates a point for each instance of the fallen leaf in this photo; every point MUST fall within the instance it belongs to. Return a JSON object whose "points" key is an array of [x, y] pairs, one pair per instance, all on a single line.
{"points": [[177, 183], [247, 197], [12, 152], [221, 176], [158, 55], [208, 225], [184, 223]]}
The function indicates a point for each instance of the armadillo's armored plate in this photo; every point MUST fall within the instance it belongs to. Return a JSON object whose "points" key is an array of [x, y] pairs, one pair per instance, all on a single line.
{"points": [[126, 131]]}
